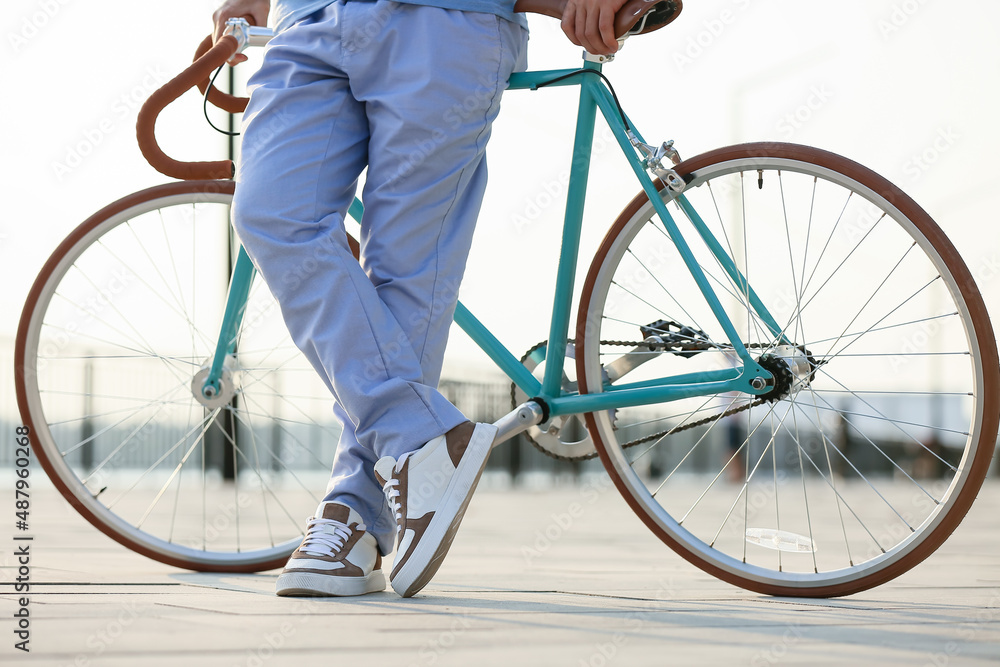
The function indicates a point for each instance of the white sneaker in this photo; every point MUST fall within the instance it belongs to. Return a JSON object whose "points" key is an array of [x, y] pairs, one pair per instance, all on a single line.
{"points": [[337, 557], [429, 490]]}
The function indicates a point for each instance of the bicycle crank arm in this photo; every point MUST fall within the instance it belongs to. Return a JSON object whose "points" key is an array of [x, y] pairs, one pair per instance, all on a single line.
{"points": [[628, 362], [524, 416], [641, 353]]}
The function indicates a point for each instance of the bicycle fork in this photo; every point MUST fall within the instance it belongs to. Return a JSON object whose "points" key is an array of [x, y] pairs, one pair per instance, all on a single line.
{"points": [[214, 386]]}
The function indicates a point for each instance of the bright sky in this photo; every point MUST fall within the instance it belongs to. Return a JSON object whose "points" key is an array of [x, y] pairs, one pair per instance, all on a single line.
{"points": [[906, 87]]}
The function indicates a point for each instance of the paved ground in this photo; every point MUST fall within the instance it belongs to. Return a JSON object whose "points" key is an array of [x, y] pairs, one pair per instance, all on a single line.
{"points": [[603, 592]]}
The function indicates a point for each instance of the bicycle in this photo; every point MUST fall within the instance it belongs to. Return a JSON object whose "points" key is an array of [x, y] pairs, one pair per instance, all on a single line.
{"points": [[817, 315]]}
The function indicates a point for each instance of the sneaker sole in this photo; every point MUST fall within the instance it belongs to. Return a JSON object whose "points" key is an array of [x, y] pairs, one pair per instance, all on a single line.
{"points": [[309, 584], [427, 555]]}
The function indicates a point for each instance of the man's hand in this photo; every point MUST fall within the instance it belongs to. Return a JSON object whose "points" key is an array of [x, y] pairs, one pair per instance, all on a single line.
{"points": [[254, 11], [591, 24]]}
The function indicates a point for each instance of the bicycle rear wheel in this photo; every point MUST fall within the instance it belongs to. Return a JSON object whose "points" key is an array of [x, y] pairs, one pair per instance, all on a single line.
{"points": [[879, 432], [122, 317]]}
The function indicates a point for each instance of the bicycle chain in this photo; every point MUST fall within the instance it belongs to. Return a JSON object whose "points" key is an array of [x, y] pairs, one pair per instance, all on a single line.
{"points": [[654, 436]]}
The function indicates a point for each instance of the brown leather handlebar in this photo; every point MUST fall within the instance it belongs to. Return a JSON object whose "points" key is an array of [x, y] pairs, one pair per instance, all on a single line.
{"points": [[209, 57], [145, 127], [225, 101]]}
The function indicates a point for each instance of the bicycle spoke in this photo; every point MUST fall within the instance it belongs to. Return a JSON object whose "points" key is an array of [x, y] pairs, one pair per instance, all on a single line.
{"points": [[689, 452], [178, 308], [726, 285], [827, 445], [201, 439], [280, 422], [263, 487], [117, 449], [719, 474], [899, 424], [830, 355], [260, 477], [746, 483], [805, 493], [203, 426], [833, 273], [841, 501], [881, 329], [652, 274]]}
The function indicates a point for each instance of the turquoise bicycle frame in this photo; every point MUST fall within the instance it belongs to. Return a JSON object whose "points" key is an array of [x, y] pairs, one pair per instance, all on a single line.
{"points": [[594, 96]]}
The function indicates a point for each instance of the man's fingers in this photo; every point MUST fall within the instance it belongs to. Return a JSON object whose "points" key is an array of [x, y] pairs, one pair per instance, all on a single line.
{"points": [[582, 20], [591, 24], [219, 18], [606, 23], [569, 23], [590, 31]]}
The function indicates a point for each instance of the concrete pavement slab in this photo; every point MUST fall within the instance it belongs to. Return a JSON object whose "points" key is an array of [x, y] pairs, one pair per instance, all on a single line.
{"points": [[602, 592]]}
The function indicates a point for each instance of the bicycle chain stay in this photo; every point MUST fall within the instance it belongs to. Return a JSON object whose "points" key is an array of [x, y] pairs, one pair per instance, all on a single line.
{"points": [[666, 346]]}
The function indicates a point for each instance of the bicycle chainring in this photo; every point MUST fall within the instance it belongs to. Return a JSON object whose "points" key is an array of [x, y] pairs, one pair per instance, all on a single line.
{"points": [[564, 438]]}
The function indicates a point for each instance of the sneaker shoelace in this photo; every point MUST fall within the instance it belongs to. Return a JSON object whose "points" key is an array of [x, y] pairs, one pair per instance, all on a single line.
{"points": [[391, 491], [326, 537]]}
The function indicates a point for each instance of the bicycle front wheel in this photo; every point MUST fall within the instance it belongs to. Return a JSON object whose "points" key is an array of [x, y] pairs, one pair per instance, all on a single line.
{"points": [[879, 429], [123, 317]]}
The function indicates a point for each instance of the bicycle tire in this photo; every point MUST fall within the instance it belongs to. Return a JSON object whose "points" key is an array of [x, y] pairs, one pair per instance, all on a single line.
{"points": [[122, 315], [878, 466]]}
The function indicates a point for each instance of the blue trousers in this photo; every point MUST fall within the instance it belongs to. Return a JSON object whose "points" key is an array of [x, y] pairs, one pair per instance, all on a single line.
{"points": [[410, 92]]}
